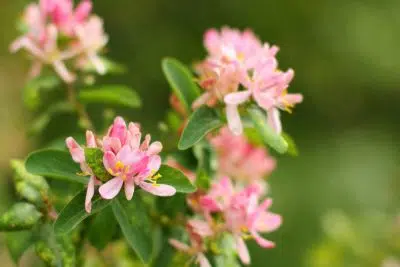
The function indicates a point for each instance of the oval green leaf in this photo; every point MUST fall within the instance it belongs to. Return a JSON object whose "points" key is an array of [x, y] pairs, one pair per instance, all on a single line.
{"points": [[102, 229], [18, 243], [111, 94], [181, 81], [268, 135], [21, 216], [55, 164], [175, 178], [135, 225], [201, 122], [74, 212]]}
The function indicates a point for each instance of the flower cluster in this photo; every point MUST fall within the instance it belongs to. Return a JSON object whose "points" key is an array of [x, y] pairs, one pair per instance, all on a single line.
{"points": [[228, 209], [129, 162], [239, 159], [240, 68], [55, 32]]}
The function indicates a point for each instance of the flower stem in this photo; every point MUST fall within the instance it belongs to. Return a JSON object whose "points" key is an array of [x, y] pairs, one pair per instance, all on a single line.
{"points": [[84, 119]]}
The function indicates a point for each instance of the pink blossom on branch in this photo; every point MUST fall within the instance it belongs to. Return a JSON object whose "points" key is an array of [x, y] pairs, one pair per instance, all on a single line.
{"points": [[243, 214], [239, 68]]}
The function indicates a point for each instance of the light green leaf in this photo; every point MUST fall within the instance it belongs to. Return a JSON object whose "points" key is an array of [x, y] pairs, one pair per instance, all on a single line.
{"points": [[111, 94], [21, 216], [102, 229], [18, 243], [175, 178], [55, 164], [75, 212], [135, 225], [201, 122], [292, 147], [270, 138], [181, 81]]}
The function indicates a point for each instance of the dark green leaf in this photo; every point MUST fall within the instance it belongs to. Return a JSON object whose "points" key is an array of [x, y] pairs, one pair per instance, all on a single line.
{"points": [[21, 216], [55, 164], [201, 122], [102, 229], [111, 94], [94, 158], [75, 212], [135, 225], [181, 81], [270, 138], [18, 243], [40, 123], [175, 178]]}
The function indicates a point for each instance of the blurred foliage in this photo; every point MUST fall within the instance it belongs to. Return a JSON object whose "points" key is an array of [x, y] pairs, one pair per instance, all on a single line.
{"points": [[347, 66]]}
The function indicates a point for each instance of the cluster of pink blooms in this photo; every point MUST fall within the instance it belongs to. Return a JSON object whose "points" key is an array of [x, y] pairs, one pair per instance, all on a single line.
{"points": [[239, 159], [240, 68], [55, 32], [130, 162], [228, 209]]}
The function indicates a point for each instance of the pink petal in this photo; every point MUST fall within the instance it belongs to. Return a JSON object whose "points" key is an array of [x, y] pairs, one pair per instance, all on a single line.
{"points": [[274, 120], [97, 63], [267, 222], [237, 98], [63, 72], [110, 189], [75, 149], [293, 99], [203, 261], [109, 161], [179, 245], [201, 227], [262, 241], [155, 163], [161, 190], [118, 129], [233, 117], [201, 100], [145, 145], [111, 143], [89, 194], [242, 250], [154, 148], [129, 188], [90, 139], [83, 10], [127, 156], [209, 204], [135, 135]]}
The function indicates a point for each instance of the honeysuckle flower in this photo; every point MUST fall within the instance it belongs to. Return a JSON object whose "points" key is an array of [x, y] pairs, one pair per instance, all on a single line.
{"points": [[82, 36], [243, 216], [197, 230], [239, 68], [246, 162], [131, 163], [78, 155]]}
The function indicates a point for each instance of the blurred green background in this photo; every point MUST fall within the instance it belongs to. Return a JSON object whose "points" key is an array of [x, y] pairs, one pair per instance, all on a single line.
{"points": [[347, 62]]}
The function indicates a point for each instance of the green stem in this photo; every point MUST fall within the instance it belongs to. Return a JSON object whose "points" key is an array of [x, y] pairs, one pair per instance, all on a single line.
{"points": [[84, 118]]}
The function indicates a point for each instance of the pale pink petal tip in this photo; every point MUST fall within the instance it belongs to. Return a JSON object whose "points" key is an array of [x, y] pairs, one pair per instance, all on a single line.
{"points": [[111, 189]]}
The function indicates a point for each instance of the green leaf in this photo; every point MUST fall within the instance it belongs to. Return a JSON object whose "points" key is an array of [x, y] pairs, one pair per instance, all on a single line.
{"points": [[33, 188], [102, 229], [227, 252], [21, 216], [57, 251], [135, 225], [201, 122], [270, 138], [181, 81], [18, 243], [31, 92], [111, 94], [94, 158], [175, 178], [75, 212], [292, 147], [55, 164], [40, 123]]}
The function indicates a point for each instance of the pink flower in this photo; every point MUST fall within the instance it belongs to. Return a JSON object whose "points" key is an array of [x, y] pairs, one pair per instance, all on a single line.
{"points": [[243, 216], [244, 163], [239, 68], [197, 230], [131, 163], [78, 155]]}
